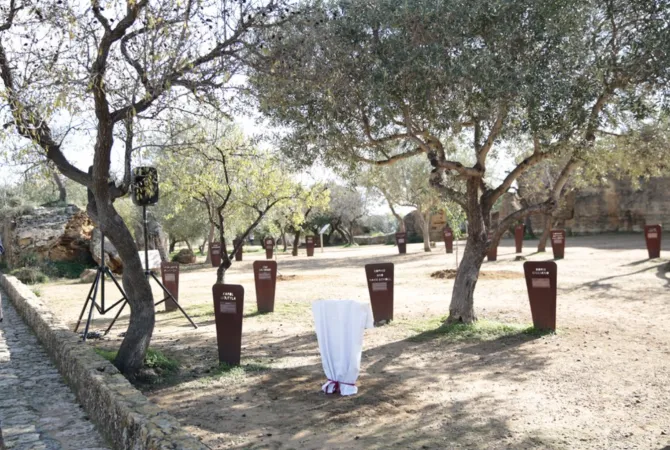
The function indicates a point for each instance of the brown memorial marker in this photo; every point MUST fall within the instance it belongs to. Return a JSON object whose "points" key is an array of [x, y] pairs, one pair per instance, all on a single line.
{"points": [[448, 234], [401, 241], [653, 234], [238, 252], [558, 243], [265, 278], [541, 284], [518, 237], [492, 254], [215, 252], [309, 243], [269, 247], [380, 286], [170, 276], [228, 312]]}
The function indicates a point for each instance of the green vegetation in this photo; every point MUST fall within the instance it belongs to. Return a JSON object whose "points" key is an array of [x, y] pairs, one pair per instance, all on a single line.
{"points": [[482, 330], [155, 359], [235, 373], [30, 275], [65, 269], [283, 310]]}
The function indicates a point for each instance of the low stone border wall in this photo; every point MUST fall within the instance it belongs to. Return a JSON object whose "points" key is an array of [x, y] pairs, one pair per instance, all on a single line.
{"points": [[126, 418], [375, 240]]}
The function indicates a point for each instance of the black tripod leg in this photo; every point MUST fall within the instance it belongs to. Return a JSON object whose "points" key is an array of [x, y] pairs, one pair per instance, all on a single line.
{"points": [[116, 317], [118, 286], [94, 288], [168, 294], [90, 316]]}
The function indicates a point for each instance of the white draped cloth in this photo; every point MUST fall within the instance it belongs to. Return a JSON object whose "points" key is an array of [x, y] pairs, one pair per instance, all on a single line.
{"points": [[339, 329]]}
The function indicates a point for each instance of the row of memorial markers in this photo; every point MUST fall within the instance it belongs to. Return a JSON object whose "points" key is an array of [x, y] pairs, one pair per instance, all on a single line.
{"points": [[229, 298]]}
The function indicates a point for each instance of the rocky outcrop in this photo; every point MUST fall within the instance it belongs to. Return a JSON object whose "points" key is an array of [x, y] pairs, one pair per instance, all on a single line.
{"points": [[156, 238], [184, 256], [413, 223], [53, 233], [617, 205], [112, 258]]}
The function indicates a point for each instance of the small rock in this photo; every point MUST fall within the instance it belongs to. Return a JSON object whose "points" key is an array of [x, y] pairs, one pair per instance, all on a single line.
{"points": [[88, 276]]}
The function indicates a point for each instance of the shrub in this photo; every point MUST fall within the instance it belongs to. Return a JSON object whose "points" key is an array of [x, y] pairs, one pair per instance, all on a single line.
{"points": [[30, 275], [65, 269]]}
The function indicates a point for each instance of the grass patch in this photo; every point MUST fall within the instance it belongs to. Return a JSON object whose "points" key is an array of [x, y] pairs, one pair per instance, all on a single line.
{"points": [[109, 355], [283, 310], [235, 373], [155, 359], [30, 275], [482, 330], [246, 249]]}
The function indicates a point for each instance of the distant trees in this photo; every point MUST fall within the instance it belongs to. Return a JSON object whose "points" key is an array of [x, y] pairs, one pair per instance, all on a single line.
{"points": [[385, 80], [235, 183]]}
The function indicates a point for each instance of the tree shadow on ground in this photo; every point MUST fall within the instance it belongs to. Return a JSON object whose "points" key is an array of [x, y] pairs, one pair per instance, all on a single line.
{"points": [[663, 272], [391, 409], [351, 261], [600, 283]]}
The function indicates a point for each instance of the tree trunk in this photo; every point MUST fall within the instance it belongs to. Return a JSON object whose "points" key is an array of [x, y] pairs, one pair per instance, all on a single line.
{"points": [[130, 357], [425, 228], [350, 234], [398, 217], [528, 225], [62, 193], [461, 308], [283, 238], [210, 238], [542, 244], [296, 243], [188, 245], [172, 244]]}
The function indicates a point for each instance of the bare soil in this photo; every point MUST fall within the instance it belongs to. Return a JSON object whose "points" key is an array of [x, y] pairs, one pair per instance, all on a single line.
{"points": [[450, 274], [601, 382]]}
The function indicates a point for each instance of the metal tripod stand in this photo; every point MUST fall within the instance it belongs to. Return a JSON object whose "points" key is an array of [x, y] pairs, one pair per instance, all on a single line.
{"points": [[99, 282], [149, 274]]}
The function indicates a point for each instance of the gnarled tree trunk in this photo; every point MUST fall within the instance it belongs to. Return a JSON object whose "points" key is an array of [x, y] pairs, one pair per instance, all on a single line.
{"points": [[542, 244], [210, 238], [130, 356], [296, 243], [62, 193], [461, 308], [425, 228]]}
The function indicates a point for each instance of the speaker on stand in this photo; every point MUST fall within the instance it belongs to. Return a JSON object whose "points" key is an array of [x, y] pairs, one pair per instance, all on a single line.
{"points": [[144, 193]]}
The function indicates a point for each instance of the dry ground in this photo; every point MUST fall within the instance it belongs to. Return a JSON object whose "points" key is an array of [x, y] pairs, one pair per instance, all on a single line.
{"points": [[601, 382]]}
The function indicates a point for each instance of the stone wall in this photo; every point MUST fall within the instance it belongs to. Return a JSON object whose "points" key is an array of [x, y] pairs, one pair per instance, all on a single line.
{"points": [[54, 233], [375, 240], [617, 206], [125, 416], [413, 226]]}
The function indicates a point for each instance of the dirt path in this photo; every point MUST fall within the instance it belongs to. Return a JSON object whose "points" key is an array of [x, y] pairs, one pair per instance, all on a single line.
{"points": [[601, 382]]}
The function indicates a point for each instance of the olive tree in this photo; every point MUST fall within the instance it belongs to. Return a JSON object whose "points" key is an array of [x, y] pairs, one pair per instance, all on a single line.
{"points": [[117, 64], [236, 183], [385, 80]]}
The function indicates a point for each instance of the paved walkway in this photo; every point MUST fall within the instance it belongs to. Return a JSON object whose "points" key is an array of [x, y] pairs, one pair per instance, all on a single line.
{"points": [[37, 409]]}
